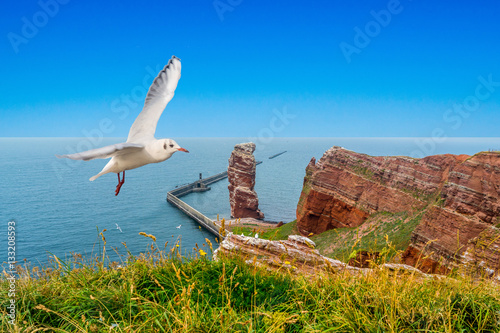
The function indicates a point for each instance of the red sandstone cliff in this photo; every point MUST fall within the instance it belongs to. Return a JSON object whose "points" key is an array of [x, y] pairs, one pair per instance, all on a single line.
{"points": [[458, 197], [241, 175]]}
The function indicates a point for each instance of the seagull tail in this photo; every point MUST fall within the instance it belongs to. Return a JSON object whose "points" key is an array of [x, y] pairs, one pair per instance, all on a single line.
{"points": [[104, 171], [95, 177]]}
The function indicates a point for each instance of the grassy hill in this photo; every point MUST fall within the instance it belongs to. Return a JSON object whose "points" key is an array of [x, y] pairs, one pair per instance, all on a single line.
{"points": [[379, 233], [163, 292]]}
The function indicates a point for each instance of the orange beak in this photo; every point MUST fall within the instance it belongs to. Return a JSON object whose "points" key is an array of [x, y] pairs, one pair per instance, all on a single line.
{"points": [[182, 149]]}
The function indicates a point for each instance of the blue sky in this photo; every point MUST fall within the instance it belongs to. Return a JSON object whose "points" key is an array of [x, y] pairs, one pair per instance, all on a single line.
{"points": [[283, 68]]}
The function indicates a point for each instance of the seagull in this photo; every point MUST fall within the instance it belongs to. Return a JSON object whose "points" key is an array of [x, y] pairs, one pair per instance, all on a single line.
{"points": [[179, 226], [141, 147], [118, 227]]}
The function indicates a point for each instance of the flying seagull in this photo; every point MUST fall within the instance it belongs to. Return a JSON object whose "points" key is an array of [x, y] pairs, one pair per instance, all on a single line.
{"points": [[118, 227], [179, 226], [141, 147]]}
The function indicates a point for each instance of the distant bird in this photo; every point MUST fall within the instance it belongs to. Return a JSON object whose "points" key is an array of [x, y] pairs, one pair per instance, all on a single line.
{"points": [[141, 147], [118, 227], [178, 227]]}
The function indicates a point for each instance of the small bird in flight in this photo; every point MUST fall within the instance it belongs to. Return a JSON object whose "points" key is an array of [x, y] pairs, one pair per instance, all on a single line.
{"points": [[118, 227], [141, 147], [178, 227]]}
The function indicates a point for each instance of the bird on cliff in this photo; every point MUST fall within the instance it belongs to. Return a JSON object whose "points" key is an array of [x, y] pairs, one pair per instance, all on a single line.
{"points": [[141, 147]]}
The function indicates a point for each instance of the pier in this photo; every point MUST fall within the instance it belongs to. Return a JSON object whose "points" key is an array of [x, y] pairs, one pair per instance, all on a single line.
{"points": [[201, 185], [202, 220], [276, 155]]}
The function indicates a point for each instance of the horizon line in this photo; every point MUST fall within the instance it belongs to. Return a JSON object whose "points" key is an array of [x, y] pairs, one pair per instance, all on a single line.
{"points": [[277, 137]]}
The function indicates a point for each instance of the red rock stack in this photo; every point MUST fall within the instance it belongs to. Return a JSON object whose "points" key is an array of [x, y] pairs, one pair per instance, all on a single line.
{"points": [[241, 175]]}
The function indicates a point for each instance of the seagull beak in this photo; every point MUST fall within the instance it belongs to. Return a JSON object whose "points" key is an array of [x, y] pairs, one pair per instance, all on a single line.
{"points": [[182, 149]]}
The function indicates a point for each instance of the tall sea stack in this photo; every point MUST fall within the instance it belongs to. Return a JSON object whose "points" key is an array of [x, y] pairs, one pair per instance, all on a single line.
{"points": [[241, 176]]}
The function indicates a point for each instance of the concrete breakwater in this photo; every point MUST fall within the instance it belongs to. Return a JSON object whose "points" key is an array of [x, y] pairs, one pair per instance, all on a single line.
{"points": [[204, 221], [276, 155], [201, 185]]}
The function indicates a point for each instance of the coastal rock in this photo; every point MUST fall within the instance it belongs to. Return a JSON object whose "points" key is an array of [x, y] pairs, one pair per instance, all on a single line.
{"points": [[457, 195], [241, 175], [483, 252], [297, 254]]}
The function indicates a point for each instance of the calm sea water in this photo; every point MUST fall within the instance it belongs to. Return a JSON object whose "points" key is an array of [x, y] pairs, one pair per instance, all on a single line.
{"points": [[58, 210]]}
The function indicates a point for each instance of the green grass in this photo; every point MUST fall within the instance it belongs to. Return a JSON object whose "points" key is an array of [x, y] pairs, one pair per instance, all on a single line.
{"points": [[371, 236], [482, 153], [247, 230], [341, 243], [420, 195], [363, 171], [280, 233], [379, 230], [306, 188], [163, 292]]}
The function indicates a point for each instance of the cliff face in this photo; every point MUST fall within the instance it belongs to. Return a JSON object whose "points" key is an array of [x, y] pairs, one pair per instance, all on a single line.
{"points": [[241, 175], [458, 197]]}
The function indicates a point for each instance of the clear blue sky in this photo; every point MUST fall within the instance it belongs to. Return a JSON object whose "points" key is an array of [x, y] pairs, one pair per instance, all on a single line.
{"points": [[66, 69]]}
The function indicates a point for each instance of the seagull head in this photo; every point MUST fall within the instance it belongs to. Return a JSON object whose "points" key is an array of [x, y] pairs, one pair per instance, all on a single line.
{"points": [[163, 149], [170, 147]]}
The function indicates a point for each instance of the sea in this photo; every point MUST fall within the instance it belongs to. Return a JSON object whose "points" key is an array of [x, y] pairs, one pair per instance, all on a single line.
{"points": [[58, 212]]}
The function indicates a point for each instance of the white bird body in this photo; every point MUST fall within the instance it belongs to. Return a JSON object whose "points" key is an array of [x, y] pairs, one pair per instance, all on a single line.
{"points": [[141, 147], [136, 158]]}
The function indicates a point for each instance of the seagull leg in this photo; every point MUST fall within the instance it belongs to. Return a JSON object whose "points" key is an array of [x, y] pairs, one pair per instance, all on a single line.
{"points": [[120, 183]]}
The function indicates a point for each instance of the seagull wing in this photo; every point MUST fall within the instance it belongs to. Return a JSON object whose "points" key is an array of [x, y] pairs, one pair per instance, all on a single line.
{"points": [[105, 152], [159, 94]]}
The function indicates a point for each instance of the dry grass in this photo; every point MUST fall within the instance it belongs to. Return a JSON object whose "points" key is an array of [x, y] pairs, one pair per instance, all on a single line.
{"points": [[160, 291]]}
